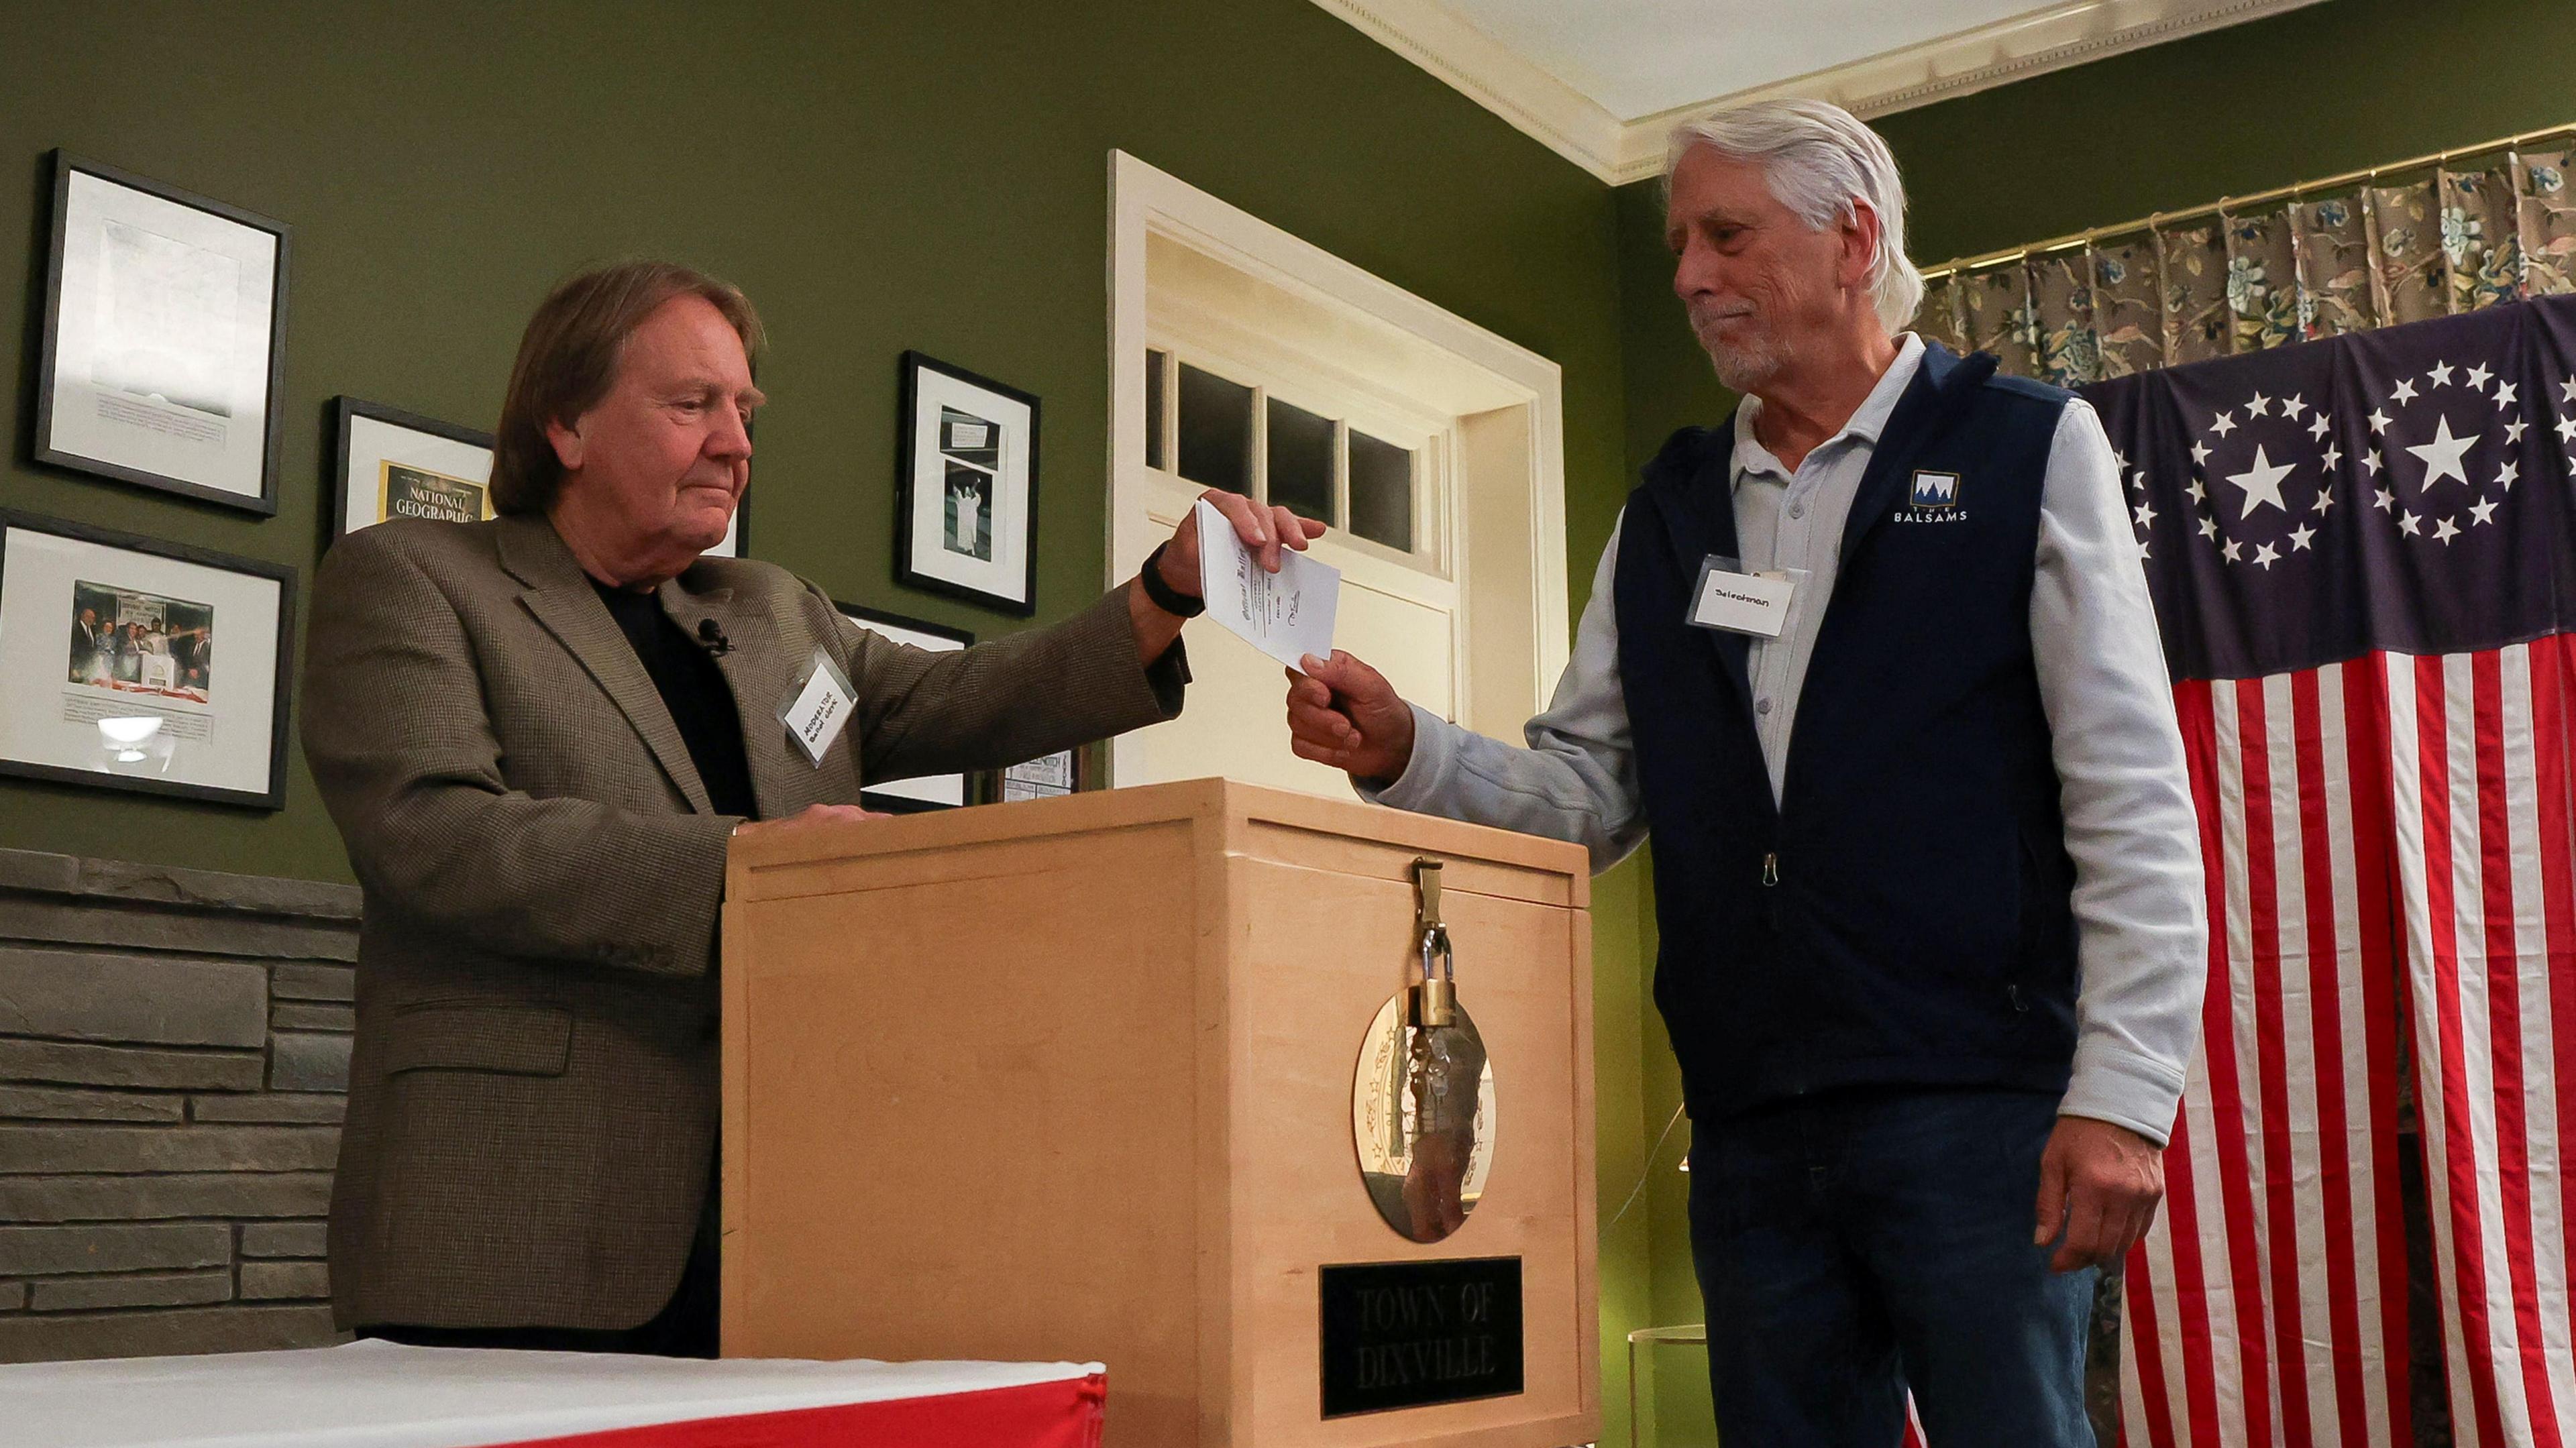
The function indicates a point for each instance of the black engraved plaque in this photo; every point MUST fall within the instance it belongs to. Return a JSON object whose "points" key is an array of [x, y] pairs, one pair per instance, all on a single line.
{"points": [[1405, 1334]]}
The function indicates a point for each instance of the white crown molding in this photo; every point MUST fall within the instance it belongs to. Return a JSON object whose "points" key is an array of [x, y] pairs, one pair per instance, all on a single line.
{"points": [[1618, 150], [1494, 76]]}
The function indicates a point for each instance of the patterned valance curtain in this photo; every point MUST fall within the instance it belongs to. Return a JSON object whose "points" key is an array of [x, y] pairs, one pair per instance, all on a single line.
{"points": [[2403, 247]]}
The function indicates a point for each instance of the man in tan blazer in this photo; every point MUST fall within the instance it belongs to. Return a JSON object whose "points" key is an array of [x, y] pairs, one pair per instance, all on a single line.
{"points": [[536, 735]]}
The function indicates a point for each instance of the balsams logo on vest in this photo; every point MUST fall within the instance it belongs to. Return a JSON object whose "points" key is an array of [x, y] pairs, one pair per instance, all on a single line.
{"points": [[1934, 499]]}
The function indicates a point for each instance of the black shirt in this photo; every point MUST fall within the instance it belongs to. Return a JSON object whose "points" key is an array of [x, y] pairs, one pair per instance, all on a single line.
{"points": [[695, 692]]}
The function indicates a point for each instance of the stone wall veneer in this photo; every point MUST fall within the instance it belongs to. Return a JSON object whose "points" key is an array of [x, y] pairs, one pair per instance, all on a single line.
{"points": [[174, 1058]]}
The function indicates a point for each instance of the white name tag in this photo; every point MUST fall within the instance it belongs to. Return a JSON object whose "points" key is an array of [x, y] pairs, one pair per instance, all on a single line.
{"points": [[1745, 603], [820, 710]]}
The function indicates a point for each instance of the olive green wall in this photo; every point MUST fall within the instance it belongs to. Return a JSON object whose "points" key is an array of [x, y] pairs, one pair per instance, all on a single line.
{"points": [[2329, 88], [877, 178]]}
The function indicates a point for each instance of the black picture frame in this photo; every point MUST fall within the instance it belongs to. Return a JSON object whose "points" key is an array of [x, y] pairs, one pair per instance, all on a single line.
{"points": [[970, 783], [274, 796], [346, 410], [65, 165], [911, 555]]}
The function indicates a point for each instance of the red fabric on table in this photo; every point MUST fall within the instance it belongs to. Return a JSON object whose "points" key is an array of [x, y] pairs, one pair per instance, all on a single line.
{"points": [[1061, 1414]]}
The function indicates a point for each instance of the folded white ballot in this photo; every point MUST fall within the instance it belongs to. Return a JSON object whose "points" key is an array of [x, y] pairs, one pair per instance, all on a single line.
{"points": [[1287, 614]]}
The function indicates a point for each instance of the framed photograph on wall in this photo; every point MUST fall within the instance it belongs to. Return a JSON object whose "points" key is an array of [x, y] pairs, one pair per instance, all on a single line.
{"points": [[1067, 771], [164, 338], [930, 791], [174, 677], [966, 520], [397, 464]]}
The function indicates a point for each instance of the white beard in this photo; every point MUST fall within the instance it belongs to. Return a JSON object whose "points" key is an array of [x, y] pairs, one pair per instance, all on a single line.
{"points": [[1743, 370], [1743, 365]]}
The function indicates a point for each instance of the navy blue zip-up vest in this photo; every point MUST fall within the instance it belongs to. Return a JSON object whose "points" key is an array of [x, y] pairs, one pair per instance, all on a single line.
{"points": [[1900, 916]]}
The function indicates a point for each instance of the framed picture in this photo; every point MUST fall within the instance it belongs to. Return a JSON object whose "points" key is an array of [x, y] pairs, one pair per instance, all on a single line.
{"points": [[930, 791], [397, 464], [966, 520], [1067, 771], [164, 339], [174, 677]]}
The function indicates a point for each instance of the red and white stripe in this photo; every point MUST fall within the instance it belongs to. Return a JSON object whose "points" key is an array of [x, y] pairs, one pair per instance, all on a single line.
{"points": [[2477, 755], [2393, 835], [2266, 1307]]}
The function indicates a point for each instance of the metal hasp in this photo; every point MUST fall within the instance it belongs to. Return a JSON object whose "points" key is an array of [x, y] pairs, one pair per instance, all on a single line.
{"points": [[1434, 1002]]}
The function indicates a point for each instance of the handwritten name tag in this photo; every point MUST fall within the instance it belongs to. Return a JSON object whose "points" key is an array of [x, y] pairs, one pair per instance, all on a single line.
{"points": [[820, 710], [1745, 603]]}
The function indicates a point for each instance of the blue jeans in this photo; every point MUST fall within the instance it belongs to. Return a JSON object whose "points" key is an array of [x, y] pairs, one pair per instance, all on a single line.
{"points": [[1857, 1245]]}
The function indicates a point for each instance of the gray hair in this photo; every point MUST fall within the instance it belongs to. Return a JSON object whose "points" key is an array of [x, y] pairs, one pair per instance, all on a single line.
{"points": [[1821, 163]]}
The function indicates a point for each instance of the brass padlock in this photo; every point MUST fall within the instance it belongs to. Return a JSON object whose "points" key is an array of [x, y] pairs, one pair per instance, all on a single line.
{"points": [[1435, 1000], [1432, 1003]]}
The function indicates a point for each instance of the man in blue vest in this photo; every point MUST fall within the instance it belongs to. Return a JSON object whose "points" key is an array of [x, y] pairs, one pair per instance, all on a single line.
{"points": [[1874, 666]]}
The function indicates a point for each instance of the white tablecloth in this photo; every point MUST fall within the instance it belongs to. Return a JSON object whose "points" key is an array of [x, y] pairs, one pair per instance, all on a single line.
{"points": [[378, 1395]]}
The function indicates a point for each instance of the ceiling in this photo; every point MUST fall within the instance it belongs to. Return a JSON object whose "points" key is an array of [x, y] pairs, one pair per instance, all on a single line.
{"points": [[1638, 57], [1603, 81]]}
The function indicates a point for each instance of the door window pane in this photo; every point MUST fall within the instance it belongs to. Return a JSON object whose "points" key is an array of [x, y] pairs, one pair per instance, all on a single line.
{"points": [[1154, 410], [1381, 492], [1216, 431], [1301, 462]]}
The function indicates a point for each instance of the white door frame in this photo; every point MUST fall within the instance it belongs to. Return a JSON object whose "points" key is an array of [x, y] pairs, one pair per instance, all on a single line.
{"points": [[1145, 199]]}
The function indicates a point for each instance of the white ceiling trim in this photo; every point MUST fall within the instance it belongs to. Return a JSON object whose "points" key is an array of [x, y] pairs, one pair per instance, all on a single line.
{"points": [[1619, 150], [1493, 75]]}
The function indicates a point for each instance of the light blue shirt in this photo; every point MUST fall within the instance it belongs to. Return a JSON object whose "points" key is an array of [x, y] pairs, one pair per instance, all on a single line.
{"points": [[2123, 789], [1794, 521]]}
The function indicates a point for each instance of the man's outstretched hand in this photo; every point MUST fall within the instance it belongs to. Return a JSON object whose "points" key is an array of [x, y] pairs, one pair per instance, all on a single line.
{"points": [[1343, 713]]}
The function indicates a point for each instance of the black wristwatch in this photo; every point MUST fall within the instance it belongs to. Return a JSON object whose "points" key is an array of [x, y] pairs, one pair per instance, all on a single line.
{"points": [[1160, 594]]}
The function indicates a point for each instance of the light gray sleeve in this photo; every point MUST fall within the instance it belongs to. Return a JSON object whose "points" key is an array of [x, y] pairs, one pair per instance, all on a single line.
{"points": [[2142, 939], [1576, 781]]}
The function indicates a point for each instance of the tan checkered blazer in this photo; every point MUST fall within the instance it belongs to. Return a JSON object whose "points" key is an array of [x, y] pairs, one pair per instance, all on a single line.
{"points": [[532, 1102]]}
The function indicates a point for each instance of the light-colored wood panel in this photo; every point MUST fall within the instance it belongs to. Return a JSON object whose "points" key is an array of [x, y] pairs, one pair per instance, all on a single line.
{"points": [[1221, 1373], [966, 1139], [1305, 847], [1312, 982], [1372, 834], [1071, 1079], [808, 861]]}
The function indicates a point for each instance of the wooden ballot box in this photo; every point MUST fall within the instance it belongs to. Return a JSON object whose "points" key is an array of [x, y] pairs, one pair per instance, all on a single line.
{"points": [[1082, 1079]]}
